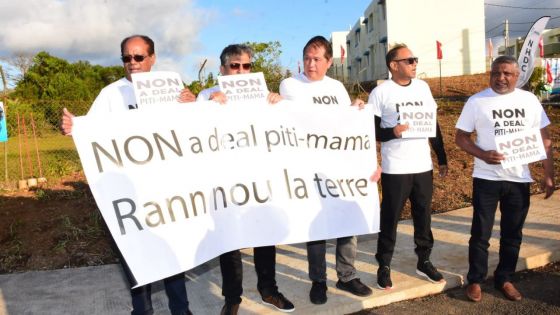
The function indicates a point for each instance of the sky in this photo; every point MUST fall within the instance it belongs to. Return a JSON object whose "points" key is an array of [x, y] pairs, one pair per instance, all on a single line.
{"points": [[187, 32]]}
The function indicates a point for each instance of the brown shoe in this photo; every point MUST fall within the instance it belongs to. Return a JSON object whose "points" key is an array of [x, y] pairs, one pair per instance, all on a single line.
{"points": [[229, 309], [510, 292], [474, 293]]}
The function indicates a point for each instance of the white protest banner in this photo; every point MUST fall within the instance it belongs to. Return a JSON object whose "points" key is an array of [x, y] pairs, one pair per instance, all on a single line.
{"points": [[421, 121], [182, 184], [522, 147], [250, 87], [156, 87]]}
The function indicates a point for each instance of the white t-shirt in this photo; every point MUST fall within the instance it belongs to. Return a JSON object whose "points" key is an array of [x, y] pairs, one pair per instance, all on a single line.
{"points": [[204, 95], [115, 97], [490, 114], [326, 91], [402, 156]]}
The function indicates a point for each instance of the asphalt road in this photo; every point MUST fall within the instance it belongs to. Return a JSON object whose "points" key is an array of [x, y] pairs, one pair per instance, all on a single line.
{"points": [[540, 288]]}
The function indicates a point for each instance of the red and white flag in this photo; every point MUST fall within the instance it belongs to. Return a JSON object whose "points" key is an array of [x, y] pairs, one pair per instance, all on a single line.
{"points": [[541, 48], [342, 53], [490, 48], [439, 52]]}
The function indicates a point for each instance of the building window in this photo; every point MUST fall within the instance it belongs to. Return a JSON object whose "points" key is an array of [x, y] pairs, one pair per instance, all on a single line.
{"points": [[357, 37], [370, 24]]}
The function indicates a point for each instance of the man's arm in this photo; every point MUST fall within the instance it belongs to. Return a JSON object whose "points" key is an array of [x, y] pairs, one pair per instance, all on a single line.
{"points": [[464, 141], [548, 164], [439, 149], [387, 134]]}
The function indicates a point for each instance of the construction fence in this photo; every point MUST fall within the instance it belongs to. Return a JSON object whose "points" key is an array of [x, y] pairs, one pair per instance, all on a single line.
{"points": [[35, 149]]}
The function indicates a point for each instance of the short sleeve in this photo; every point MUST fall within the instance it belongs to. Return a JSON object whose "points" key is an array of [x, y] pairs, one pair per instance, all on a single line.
{"points": [[466, 121]]}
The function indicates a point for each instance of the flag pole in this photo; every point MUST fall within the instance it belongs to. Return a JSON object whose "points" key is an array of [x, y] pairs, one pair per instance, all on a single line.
{"points": [[440, 86]]}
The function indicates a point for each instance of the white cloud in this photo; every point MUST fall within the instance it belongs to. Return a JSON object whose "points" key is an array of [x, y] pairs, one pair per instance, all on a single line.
{"points": [[93, 29]]}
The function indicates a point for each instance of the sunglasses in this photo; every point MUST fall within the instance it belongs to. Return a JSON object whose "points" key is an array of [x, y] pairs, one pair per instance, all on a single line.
{"points": [[137, 58], [409, 61], [236, 66]]}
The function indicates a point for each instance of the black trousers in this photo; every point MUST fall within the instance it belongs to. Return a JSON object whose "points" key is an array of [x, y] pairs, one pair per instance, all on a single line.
{"points": [[514, 206], [397, 188], [232, 273]]}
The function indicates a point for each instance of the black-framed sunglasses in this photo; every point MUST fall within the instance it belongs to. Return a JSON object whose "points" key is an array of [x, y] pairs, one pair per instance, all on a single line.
{"points": [[236, 66], [137, 58], [409, 61]]}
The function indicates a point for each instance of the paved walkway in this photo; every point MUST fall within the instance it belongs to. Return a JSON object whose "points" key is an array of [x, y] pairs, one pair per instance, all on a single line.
{"points": [[102, 289]]}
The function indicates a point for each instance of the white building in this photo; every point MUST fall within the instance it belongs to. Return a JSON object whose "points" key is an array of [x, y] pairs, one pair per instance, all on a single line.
{"points": [[551, 42], [338, 69], [457, 24]]}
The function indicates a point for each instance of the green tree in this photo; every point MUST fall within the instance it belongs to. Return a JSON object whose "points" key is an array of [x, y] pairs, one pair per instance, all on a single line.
{"points": [[266, 59], [51, 83], [197, 86]]}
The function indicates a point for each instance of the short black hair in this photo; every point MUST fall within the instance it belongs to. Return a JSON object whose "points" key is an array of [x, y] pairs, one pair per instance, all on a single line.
{"points": [[392, 53], [234, 50], [319, 41], [147, 40]]}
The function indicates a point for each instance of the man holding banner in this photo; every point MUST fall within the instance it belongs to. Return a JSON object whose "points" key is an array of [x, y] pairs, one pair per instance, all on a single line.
{"points": [[138, 55], [406, 125], [236, 59], [314, 87], [510, 125]]}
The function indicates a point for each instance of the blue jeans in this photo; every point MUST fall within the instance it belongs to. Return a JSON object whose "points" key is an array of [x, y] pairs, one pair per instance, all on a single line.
{"points": [[176, 293], [514, 206], [142, 296]]}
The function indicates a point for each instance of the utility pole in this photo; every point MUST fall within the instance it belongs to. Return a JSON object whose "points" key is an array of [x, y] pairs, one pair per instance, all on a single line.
{"points": [[200, 71], [506, 36]]}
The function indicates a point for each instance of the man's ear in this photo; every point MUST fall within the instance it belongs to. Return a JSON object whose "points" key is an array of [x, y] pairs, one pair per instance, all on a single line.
{"points": [[393, 66]]}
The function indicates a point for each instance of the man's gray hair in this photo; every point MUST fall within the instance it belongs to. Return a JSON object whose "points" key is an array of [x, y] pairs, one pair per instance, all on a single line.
{"points": [[505, 59], [234, 50]]}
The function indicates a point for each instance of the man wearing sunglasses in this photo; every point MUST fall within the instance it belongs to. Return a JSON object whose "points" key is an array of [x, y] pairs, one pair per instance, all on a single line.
{"points": [[236, 59], [406, 163], [313, 86], [137, 55]]}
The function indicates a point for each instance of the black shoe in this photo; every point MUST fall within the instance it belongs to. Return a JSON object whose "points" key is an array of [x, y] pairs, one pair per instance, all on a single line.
{"points": [[354, 286], [280, 302], [384, 278], [427, 270], [229, 309], [318, 293]]}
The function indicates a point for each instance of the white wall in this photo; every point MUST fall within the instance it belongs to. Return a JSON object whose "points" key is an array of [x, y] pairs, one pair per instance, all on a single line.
{"points": [[457, 24], [338, 71]]}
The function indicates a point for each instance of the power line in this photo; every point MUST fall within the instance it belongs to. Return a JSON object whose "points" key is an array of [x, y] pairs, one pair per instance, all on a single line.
{"points": [[514, 7], [518, 23]]}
